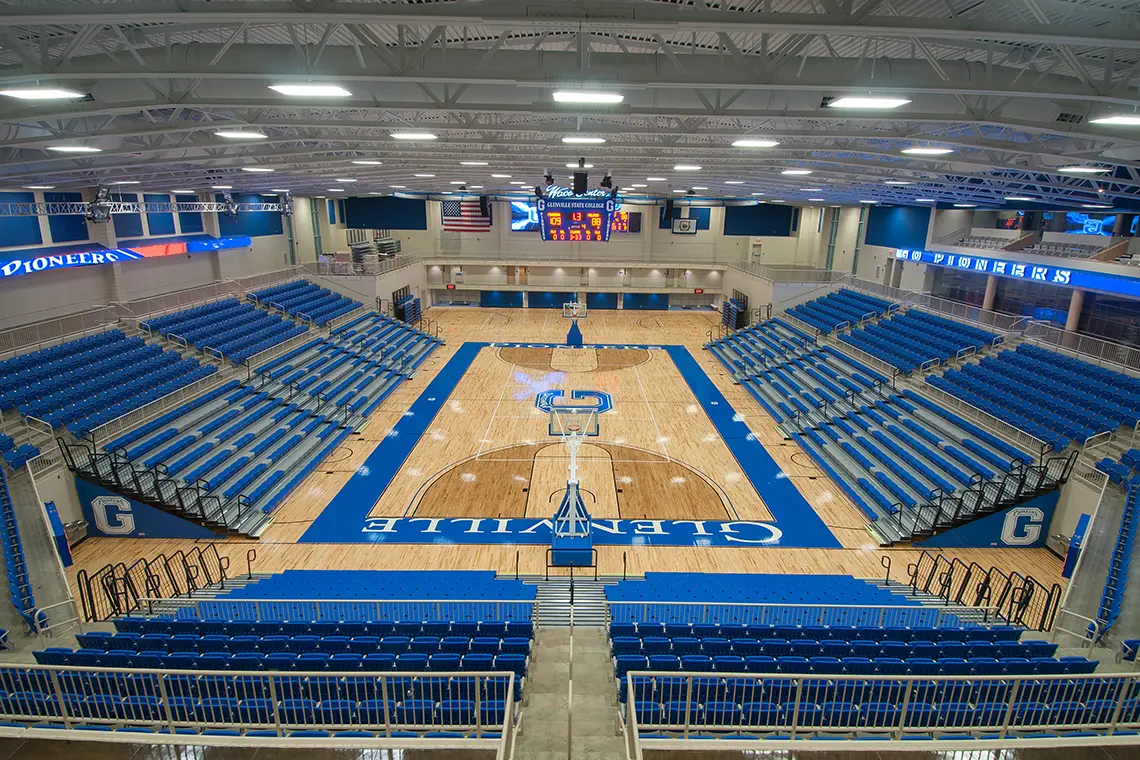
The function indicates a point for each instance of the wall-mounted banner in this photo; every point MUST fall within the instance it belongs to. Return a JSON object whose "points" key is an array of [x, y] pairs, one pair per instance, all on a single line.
{"points": [[113, 515], [499, 530], [1066, 277], [14, 263]]}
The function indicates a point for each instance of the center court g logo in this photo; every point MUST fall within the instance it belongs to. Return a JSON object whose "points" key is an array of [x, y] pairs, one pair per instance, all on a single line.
{"points": [[1022, 526], [601, 402], [113, 515]]}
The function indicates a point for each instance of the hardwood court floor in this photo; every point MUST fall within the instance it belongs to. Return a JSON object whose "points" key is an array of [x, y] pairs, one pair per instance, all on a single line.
{"points": [[489, 434]]}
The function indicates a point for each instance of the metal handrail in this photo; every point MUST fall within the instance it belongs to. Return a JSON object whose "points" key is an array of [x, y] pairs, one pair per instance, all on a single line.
{"points": [[803, 614]]}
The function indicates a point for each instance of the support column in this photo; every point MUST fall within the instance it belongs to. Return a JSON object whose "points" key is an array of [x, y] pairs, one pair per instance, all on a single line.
{"points": [[1076, 303], [991, 292]]}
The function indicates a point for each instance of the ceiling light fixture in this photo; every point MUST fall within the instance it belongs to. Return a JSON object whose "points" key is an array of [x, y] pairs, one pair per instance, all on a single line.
{"points": [[758, 193], [473, 163], [1018, 198], [424, 176], [656, 179], [349, 179], [811, 189], [639, 185], [869, 202], [221, 187], [582, 140], [256, 169], [924, 200], [125, 182], [795, 172], [397, 187], [516, 183], [575, 166], [1082, 169], [1131, 120], [698, 187], [580, 96], [752, 143], [920, 151], [734, 182], [1094, 205], [367, 162], [965, 205], [686, 168], [274, 190], [818, 200], [475, 187], [856, 101], [334, 189], [240, 134], [311, 90], [897, 182], [39, 187], [501, 176], [42, 93], [413, 136], [192, 192], [458, 182], [74, 149]]}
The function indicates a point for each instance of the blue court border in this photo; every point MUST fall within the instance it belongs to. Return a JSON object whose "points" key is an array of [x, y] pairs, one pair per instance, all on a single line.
{"points": [[799, 526]]}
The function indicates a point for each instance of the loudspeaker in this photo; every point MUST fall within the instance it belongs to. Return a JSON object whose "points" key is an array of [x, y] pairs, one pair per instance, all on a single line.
{"points": [[484, 205], [668, 208], [580, 179]]}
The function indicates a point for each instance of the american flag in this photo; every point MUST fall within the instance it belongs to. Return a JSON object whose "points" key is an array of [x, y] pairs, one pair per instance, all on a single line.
{"points": [[464, 216]]}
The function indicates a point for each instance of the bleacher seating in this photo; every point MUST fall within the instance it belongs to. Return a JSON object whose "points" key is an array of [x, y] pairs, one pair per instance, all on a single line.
{"points": [[1067, 250], [983, 241], [304, 299], [309, 674], [814, 657], [90, 381], [841, 307], [1112, 598], [913, 339], [1056, 398], [15, 567], [237, 330], [399, 343], [20, 455], [1124, 470]]}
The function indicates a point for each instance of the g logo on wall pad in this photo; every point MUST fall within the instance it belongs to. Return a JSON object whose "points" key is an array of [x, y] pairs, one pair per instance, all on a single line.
{"points": [[113, 515], [602, 401], [1022, 526]]}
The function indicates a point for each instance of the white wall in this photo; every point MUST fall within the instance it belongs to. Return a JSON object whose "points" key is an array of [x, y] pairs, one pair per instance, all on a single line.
{"points": [[872, 263], [845, 238], [759, 291], [1076, 498], [43, 295], [59, 486], [948, 221]]}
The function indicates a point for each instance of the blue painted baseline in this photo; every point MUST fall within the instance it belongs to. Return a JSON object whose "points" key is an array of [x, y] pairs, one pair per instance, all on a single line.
{"points": [[346, 520]]}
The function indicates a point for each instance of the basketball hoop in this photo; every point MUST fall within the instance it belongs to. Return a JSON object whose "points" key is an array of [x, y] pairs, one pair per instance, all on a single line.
{"points": [[574, 310]]}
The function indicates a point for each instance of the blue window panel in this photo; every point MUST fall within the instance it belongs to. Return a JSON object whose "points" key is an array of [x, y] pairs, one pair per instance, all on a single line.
{"points": [[66, 228], [551, 300], [512, 299], [127, 225], [189, 221], [20, 230], [340, 209], [332, 211], [758, 221], [251, 223], [601, 301], [645, 301], [161, 223], [898, 226]]}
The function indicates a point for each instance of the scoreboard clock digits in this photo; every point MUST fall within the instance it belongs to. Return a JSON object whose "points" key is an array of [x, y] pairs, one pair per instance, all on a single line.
{"points": [[577, 224]]}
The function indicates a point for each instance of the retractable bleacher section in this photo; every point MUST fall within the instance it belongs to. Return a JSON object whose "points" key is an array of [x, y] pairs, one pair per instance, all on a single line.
{"points": [[306, 300], [20, 589], [234, 329], [85, 383], [1124, 470], [354, 654], [915, 340], [247, 445], [891, 452], [785, 656], [840, 308], [1054, 397]]}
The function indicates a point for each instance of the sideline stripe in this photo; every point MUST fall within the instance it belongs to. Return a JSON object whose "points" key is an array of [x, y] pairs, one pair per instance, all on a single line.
{"points": [[350, 507], [790, 510]]}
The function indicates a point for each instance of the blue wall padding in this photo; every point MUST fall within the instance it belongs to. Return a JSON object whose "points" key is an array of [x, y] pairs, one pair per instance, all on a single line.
{"points": [[758, 221], [66, 228], [384, 213], [898, 227]]}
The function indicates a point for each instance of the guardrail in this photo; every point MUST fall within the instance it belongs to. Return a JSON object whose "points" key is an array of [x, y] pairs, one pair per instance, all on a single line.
{"points": [[119, 425], [258, 281], [1014, 435], [156, 306], [348, 609], [52, 331], [1098, 351], [362, 268], [793, 614], [794, 707], [282, 702], [264, 357], [786, 274]]}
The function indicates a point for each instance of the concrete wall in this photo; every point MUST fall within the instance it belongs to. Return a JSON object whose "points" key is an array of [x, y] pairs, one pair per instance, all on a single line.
{"points": [[1077, 498], [845, 238], [948, 221]]}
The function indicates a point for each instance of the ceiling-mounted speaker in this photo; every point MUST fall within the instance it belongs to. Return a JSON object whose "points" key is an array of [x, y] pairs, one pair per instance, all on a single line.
{"points": [[668, 208], [484, 205], [580, 180]]}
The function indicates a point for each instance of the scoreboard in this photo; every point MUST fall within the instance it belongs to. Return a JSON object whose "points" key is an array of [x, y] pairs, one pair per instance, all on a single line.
{"points": [[576, 219]]}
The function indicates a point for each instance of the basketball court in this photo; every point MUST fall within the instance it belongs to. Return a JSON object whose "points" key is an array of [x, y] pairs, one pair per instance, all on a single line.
{"points": [[458, 469]]}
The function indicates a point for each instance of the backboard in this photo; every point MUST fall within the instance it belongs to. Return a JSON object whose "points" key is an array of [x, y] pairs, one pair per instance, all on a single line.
{"points": [[575, 309], [573, 421]]}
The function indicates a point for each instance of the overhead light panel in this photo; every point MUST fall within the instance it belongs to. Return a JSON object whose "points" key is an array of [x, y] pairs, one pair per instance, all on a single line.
{"points": [[817, 200], [413, 136], [698, 187], [475, 187], [39, 187], [311, 90], [811, 189], [334, 189], [680, 191], [424, 176], [221, 187], [42, 93], [920, 151], [375, 193], [734, 182], [349, 179], [856, 101], [653, 179], [458, 182], [686, 168], [240, 134], [367, 162], [125, 182], [581, 96], [397, 187], [897, 182], [192, 192], [574, 166], [501, 176], [1130, 120], [74, 149], [473, 163], [516, 183], [965, 205], [256, 169], [924, 200], [869, 202], [795, 172], [1094, 205], [1082, 169], [639, 185], [1018, 198], [278, 190], [582, 140], [753, 143]]}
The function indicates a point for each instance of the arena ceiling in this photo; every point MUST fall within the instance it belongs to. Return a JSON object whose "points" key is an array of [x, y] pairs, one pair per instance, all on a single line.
{"points": [[1011, 87]]}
